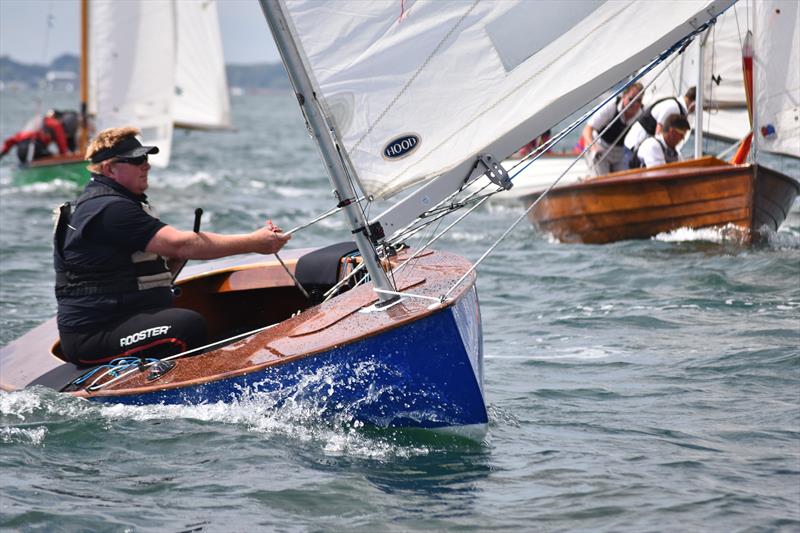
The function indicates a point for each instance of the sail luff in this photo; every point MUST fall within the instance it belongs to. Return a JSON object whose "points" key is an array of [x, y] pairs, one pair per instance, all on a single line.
{"points": [[273, 12]]}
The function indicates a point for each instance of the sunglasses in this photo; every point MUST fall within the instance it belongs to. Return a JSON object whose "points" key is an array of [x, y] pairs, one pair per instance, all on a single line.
{"points": [[135, 161]]}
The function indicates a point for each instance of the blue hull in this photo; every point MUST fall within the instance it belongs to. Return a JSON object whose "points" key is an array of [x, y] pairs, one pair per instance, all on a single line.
{"points": [[426, 374]]}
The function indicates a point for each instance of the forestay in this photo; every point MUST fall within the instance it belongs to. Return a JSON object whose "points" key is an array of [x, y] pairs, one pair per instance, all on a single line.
{"points": [[417, 89]]}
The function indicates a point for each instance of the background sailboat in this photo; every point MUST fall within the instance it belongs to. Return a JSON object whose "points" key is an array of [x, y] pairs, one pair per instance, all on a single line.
{"points": [[157, 64], [706, 192]]}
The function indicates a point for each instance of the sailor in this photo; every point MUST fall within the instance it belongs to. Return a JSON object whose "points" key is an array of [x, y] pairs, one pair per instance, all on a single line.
{"points": [[661, 148], [611, 122], [652, 119], [69, 121], [35, 144], [112, 281]]}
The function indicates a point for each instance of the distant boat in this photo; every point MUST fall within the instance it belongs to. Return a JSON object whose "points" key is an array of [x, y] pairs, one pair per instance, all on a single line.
{"points": [[155, 64], [393, 102], [639, 204], [704, 192]]}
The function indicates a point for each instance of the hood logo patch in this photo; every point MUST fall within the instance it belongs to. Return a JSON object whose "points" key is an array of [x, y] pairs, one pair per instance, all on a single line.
{"points": [[401, 146]]}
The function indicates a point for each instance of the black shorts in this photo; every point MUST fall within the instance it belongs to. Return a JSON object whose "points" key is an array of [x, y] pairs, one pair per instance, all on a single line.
{"points": [[158, 333]]}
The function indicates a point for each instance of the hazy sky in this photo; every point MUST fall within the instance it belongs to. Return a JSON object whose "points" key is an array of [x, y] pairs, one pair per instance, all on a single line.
{"points": [[24, 35]]}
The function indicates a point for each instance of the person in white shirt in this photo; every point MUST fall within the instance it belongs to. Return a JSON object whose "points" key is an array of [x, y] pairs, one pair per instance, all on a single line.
{"points": [[611, 122], [651, 121], [661, 148]]}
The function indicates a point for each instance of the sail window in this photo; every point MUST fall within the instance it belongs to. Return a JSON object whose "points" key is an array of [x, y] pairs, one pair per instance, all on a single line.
{"points": [[530, 26]]}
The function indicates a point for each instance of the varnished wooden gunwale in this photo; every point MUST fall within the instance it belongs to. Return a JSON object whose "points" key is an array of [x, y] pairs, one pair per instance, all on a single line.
{"points": [[278, 346], [639, 204], [318, 329]]}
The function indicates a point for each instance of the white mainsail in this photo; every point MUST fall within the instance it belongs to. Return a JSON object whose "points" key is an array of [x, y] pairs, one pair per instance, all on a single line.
{"points": [[776, 28], [457, 79], [131, 69], [201, 87], [155, 65], [777, 76]]}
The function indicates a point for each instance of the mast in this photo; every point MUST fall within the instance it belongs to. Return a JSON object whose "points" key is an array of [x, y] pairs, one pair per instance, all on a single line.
{"points": [[753, 96], [699, 97], [83, 139], [327, 147]]}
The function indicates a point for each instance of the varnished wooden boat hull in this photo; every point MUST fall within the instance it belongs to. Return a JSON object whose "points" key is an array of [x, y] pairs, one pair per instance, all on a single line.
{"points": [[410, 366], [643, 203]]}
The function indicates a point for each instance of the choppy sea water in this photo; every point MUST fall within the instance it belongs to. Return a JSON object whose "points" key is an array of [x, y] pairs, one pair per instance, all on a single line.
{"points": [[637, 386]]}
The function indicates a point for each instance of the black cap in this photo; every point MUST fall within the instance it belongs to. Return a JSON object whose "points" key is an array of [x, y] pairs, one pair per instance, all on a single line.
{"points": [[127, 147]]}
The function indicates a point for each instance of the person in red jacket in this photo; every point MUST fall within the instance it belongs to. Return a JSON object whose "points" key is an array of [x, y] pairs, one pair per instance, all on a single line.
{"points": [[32, 145]]}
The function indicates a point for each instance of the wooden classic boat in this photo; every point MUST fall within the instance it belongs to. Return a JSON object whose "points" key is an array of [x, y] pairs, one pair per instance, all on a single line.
{"points": [[704, 192], [639, 204], [415, 364]]}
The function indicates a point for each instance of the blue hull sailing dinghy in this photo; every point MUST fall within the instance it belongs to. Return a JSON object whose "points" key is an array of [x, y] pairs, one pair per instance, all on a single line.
{"points": [[398, 96]]}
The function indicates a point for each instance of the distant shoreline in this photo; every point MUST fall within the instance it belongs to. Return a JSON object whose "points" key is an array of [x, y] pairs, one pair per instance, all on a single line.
{"points": [[62, 74]]}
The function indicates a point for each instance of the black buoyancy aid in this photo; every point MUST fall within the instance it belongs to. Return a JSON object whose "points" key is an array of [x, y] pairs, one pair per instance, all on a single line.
{"points": [[670, 155], [123, 273], [648, 121], [615, 133]]}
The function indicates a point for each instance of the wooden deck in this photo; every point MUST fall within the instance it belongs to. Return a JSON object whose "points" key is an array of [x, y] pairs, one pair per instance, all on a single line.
{"points": [[250, 295], [639, 204]]}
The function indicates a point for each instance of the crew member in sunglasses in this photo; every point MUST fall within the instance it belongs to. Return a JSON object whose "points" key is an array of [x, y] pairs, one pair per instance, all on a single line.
{"points": [[113, 283]]}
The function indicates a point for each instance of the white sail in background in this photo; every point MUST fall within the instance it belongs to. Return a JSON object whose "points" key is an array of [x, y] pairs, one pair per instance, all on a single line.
{"points": [[417, 89], [156, 64], [777, 76], [201, 87], [131, 69], [776, 30]]}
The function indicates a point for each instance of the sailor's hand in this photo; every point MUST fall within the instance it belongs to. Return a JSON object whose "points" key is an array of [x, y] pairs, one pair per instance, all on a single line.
{"points": [[271, 238]]}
